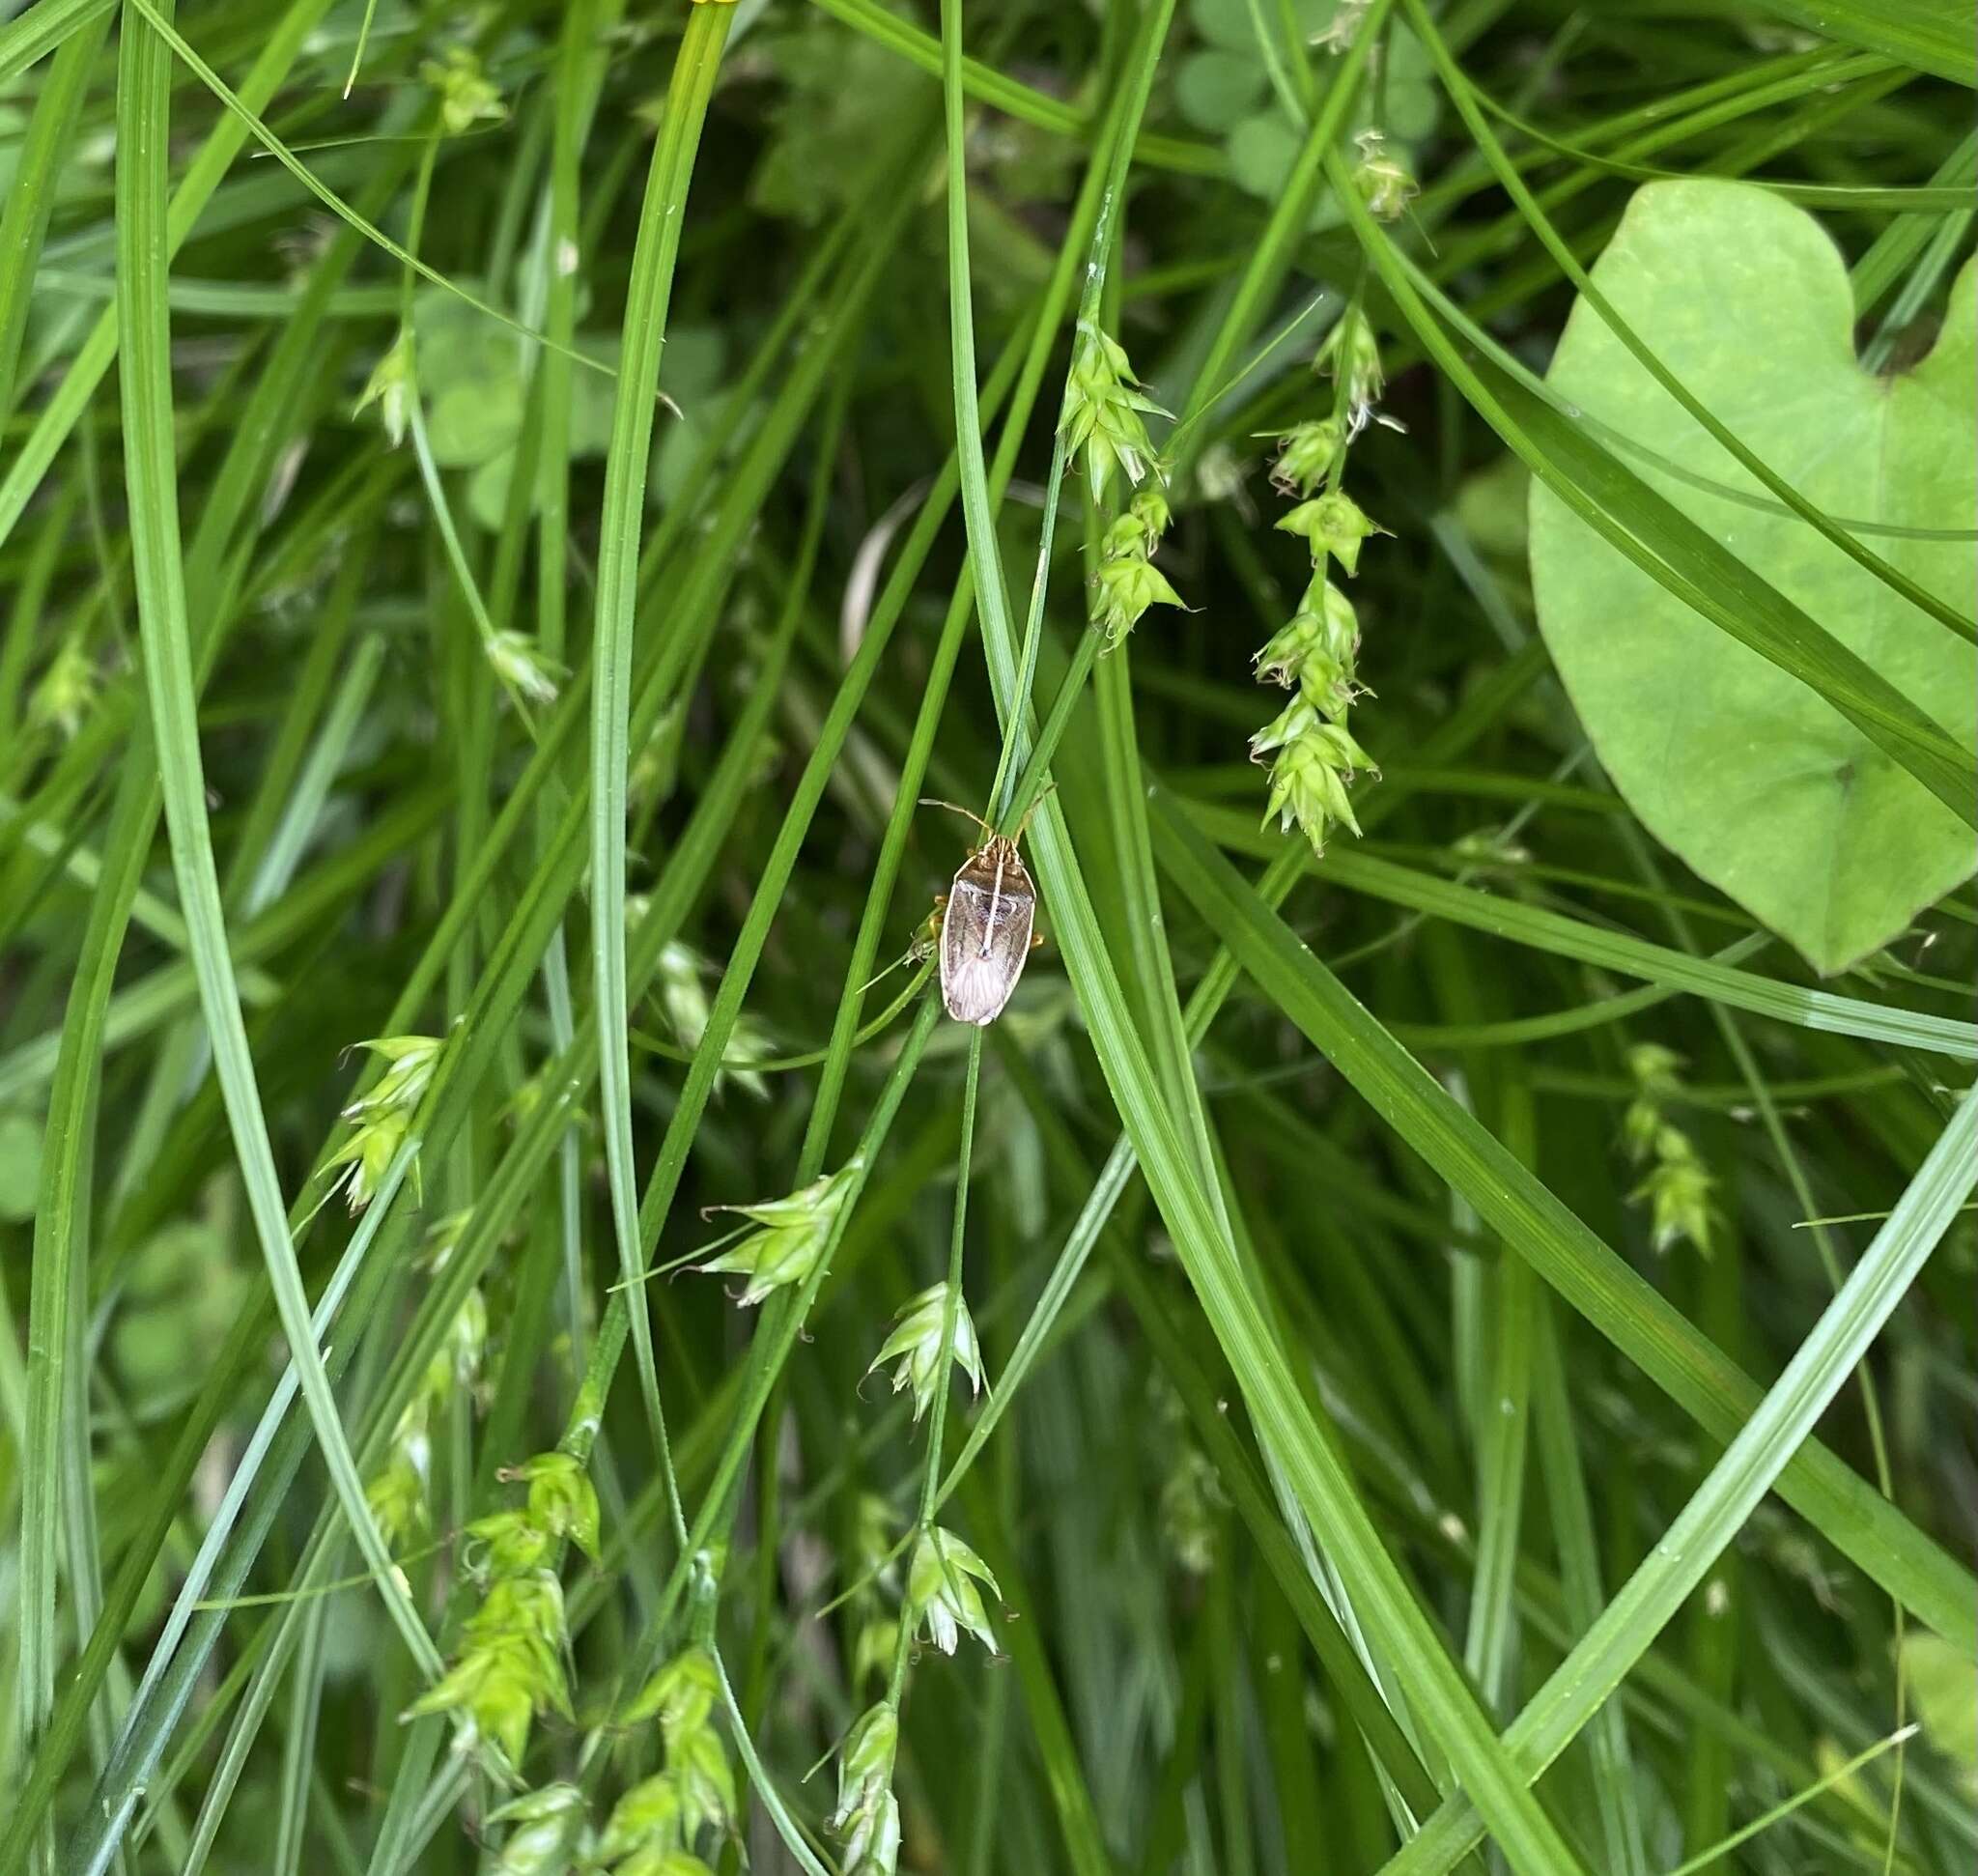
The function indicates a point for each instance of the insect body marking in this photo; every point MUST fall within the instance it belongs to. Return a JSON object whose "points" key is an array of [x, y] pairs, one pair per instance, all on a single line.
{"points": [[995, 900]]}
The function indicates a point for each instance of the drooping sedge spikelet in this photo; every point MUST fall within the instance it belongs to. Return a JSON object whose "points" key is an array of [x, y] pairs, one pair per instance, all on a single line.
{"points": [[1313, 756], [510, 1664], [1127, 581], [791, 1236], [867, 1815], [1105, 407], [942, 1596], [917, 1342], [384, 1116], [1678, 1185]]}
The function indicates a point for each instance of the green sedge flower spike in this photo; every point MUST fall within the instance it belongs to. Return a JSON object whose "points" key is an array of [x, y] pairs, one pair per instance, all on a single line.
{"points": [[66, 692], [661, 1817], [1104, 407], [866, 1762], [874, 1846], [1305, 456], [1320, 640], [1678, 1189], [707, 1786], [1329, 687], [466, 96], [392, 386], [941, 1593], [491, 1691], [1351, 359], [1314, 766], [794, 1233], [1382, 184], [1124, 539], [646, 1817], [1193, 1502], [524, 672], [917, 1344], [1333, 524], [413, 1058], [1654, 1069], [396, 1493], [651, 1861], [1149, 508], [368, 1154], [458, 1364], [382, 1118], [1127, 588], [872, 1649], [546, 1832], [1678, 1185], [504, 1543], [563, 1503], [681, 1696], [683, 996], [1339, 34], [510, 1667], [1489, 850]]}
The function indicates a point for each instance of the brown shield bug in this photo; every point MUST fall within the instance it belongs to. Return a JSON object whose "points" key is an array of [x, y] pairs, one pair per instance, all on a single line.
{"points": [[986, 928]]}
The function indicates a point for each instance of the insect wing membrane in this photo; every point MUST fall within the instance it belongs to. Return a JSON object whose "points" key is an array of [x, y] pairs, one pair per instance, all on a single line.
{"points": [[985, 936]]}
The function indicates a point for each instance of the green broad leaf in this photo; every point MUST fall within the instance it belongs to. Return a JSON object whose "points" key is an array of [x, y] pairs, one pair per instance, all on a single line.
{"points": [[1231, 25], [1739, 769], [834, 87], [470, 377], [1217, 89], [1262, 148]]}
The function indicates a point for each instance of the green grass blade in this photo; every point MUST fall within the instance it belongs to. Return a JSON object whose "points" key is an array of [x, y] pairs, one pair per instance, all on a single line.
{"points": [[1285, 1423], [151, 473], [619, 525], [1565, 937], [1533, 1223], [41, 27], [1753, 1462], [31, 190], [1932, 34]]}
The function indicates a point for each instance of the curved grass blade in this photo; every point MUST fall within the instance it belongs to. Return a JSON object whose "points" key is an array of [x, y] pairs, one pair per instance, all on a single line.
{"points": [[143, 104], [626, 466], [1763, 1447], [1637, 1318], [1567, 937], [1284, 1417], [1932, 36]]}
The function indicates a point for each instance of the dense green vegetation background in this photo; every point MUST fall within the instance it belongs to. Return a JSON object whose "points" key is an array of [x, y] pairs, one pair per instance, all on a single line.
{"points": [[1436, 1331]]}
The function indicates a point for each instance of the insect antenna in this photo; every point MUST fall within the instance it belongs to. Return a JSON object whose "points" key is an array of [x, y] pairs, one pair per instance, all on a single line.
{"points": [[1043, 795], [955, 808]]}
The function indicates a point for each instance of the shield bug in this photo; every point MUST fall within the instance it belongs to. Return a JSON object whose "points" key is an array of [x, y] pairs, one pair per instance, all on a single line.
{"points": [[986, 928]]}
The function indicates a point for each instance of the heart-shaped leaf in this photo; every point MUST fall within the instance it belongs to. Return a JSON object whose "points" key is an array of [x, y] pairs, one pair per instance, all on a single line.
{"points": [[1741, 770]]}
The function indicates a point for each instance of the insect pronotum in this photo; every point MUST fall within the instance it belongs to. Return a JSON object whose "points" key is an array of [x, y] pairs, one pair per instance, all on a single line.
{"points": [[985, 930]]}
